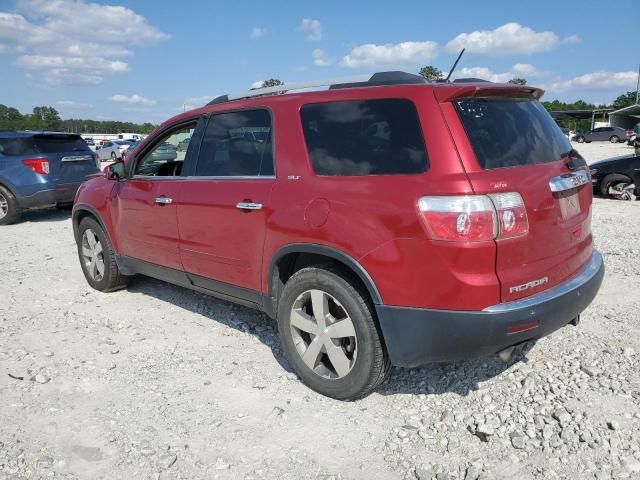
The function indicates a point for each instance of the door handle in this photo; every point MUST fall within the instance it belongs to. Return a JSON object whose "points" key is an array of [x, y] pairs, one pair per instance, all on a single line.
{"points": [[163, 200], [248, 206]]}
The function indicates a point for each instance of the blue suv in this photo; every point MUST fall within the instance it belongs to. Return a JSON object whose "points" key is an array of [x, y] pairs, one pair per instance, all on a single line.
{"points": [[39, 169]]}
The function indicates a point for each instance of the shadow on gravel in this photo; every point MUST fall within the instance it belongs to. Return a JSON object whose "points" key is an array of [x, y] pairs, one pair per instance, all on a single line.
{"points": [[45, 215], [460, 378], [240, 318]]}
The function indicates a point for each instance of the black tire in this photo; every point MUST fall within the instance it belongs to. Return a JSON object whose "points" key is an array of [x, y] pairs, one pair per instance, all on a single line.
{"points": [[114, 156], [612, 179], [371, 364], [111, 279], [580, 139], [614, 139], [10, 212]]}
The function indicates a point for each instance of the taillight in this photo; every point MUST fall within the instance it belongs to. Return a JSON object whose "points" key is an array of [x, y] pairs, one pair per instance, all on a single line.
{"points": [[38, 165], [474, 218], [469, 218], [512, 215]]}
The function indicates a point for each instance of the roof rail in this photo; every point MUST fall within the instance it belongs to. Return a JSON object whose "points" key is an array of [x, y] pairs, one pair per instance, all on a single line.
{"points": [[471, 80], [377, 79]]}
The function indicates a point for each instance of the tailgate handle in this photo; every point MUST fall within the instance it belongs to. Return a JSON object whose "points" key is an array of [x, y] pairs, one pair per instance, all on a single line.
{"points": [[76, 158], [569, 181]]}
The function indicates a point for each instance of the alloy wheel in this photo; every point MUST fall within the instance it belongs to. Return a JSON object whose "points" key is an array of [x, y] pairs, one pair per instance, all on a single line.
{"points": [[623, 191], [323, 334], [4, 206], [92, 255]]}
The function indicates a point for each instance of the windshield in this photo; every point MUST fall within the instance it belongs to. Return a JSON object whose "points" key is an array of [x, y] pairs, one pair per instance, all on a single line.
{"points": [[510, 132]]}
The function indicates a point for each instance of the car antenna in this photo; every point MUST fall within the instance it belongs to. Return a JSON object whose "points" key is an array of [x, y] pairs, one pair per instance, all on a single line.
{"points": [[454, 66]]}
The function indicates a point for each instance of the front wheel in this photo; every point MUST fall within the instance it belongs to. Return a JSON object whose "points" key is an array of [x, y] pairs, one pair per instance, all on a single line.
{"points": [[614, 139], [329, 333], [619, 187], [113, 156], [97, 257], [580, 139]]}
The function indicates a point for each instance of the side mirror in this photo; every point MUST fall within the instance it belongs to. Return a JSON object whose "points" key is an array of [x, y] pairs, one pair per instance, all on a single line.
{"points": [[115, 171]]}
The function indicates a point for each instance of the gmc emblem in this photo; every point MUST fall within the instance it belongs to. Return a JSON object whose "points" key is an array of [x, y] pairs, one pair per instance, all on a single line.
{"points": [[528, 285]]}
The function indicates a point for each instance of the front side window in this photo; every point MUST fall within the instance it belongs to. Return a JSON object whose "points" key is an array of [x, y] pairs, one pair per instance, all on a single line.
{"points": [[364, 137], [237, 144], [165, 159]]}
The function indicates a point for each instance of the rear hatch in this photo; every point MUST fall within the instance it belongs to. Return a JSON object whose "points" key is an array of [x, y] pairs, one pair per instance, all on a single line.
{"points": [[70, 158], [511, 144]]}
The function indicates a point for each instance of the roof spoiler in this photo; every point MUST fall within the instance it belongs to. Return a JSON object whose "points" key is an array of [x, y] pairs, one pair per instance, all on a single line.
{"points": [[485, 89]]}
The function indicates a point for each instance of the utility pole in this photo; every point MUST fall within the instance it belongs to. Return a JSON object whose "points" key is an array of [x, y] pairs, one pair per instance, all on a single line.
{"points": [[638, 85]]}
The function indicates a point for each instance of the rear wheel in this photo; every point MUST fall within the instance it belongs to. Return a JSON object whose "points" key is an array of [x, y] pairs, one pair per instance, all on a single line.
{"points": [[97, 257], [329, 333], [9, 210], [618, 186], [614, 139], [113, 156], [580, 139]]}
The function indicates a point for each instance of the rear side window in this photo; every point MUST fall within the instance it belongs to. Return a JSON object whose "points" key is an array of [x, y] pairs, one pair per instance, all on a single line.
{"points": [[364, 137], [237, 144], [60, 143], [509, 132], [17, 146]]}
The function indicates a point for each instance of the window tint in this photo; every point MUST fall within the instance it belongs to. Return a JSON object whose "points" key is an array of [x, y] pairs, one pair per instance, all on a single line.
{"points": [[60, 143], [508, 132], [164, 159], [237, 144], [364, 137], [17, 146]]}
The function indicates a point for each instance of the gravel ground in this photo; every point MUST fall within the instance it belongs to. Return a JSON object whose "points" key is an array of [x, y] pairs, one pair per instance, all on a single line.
{"points": [[159, 382]]}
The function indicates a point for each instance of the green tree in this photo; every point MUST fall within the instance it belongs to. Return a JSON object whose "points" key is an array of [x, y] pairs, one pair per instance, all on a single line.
{"points": [[10, 118], [431, 73], [45, 118], [518, 81], [272, 82], [624, 100]]}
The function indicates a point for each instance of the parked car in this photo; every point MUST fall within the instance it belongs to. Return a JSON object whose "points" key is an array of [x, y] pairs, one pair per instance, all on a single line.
{"points": [[603, 134], [441, 233], [183, 144], [40, 169], [131, 148], [109, 151], [123, 146], [617, 177]]}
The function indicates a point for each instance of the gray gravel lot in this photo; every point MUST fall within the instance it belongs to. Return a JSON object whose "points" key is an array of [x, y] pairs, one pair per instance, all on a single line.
{"points": [[159, 382]]}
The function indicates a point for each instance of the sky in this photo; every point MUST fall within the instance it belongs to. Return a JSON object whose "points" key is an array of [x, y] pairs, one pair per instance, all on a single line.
{"points": [[146, 60]]}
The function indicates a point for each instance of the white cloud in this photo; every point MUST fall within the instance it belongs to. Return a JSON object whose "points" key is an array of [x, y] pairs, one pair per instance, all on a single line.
{"points": [[320, 58], [597, 81], [508, 39], [312, 28], [72, 104], [257, 32], [195, 102], [524, 69], [518, 70], [132, 99], [59, 38], [371, 55], [571, 39], [257, 84]]}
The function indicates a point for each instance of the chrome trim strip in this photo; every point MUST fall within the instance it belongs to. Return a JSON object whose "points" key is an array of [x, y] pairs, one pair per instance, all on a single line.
{"points": [[77, 158], [249, 206], [569, 181], [193, 177], [590, 270]]}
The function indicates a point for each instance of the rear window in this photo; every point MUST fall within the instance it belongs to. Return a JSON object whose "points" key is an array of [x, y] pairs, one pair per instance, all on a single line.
{"points": [[364, 137], [509, 132], [60, 143], [17, 146]]}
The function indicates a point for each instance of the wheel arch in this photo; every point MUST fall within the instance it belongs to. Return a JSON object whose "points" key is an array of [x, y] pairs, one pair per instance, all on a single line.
{"points": [[83, 211], [291, 258]]}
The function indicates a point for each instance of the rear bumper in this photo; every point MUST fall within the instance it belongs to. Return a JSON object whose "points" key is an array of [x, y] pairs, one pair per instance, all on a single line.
{"points": [[60, 194], [415, 336]]}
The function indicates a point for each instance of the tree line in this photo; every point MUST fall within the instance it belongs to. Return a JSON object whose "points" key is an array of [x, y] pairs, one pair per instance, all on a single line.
{"points": [[48, 118]]}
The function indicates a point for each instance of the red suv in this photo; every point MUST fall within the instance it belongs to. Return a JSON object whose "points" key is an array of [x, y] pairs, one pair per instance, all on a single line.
{"points": [[384, 221]]}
